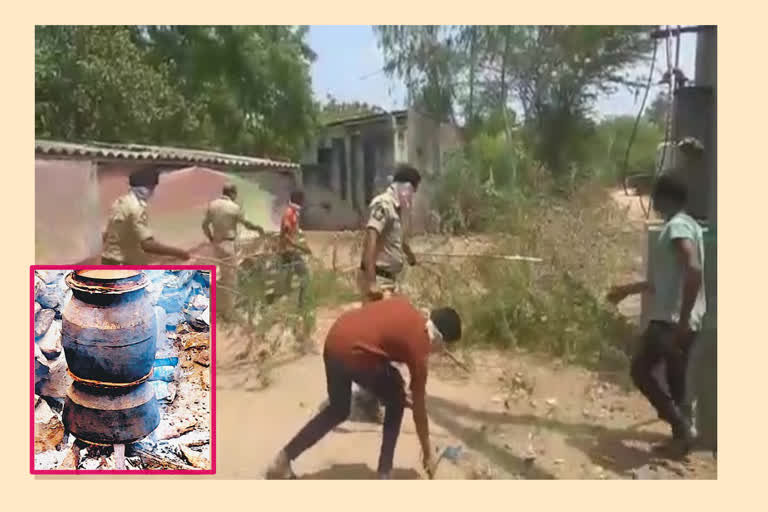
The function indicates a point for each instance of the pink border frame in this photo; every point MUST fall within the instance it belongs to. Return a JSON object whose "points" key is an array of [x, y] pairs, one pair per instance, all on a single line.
{"points": [[32, 469]]}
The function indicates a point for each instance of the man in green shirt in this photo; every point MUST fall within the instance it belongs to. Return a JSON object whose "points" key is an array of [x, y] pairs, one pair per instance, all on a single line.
{"points": [[676, 312]]}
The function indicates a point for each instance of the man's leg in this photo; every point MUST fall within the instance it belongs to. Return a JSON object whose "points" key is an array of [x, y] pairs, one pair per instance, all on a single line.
{"points": [[336, 412], [300, 267], [644, 363], [677, 360], [225, 252], [387, 385]]}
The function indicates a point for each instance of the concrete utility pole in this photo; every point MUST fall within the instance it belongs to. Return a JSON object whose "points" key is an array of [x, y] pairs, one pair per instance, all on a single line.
{"points": [[704, 360], [695, 115]]}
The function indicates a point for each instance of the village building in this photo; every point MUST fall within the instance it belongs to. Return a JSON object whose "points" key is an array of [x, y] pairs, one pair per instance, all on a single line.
{"points": [[75, 185], [351, 160]]}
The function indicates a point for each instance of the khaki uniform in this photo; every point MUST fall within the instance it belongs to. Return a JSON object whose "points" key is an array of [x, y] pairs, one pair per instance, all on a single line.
{"points": [[223, 216], [385, 218], [127, 228]]}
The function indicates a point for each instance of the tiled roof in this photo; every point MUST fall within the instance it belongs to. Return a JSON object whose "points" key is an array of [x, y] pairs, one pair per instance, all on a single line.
{"points": [[157, 153]]}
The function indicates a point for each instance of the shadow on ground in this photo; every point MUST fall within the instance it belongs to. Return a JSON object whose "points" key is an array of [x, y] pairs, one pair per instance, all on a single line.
{"points": [[604, 446], [357, 472]]}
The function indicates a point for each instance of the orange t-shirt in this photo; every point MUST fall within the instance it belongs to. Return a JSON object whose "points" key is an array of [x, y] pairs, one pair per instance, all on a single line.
{"points": [[381, 331], [289, 227]]}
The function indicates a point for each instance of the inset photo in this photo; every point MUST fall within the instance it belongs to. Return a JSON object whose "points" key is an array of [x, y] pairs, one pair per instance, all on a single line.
{"points": [[122, 369]]}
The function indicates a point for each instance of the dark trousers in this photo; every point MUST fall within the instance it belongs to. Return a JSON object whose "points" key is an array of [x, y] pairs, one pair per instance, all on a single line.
{"points": [[384, 381], [665, 391], [293, 263]]}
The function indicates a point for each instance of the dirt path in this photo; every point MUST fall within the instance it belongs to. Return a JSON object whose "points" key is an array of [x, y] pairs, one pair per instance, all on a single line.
{"points": [[516, 416]]}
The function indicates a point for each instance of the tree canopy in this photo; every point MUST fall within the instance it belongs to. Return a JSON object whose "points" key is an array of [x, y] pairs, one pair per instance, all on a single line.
{"points": [[242, 89], [552, 75]]}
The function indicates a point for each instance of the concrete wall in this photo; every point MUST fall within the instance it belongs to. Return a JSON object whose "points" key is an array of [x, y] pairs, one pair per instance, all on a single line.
{"points": [[428, 141], [67, 211]]}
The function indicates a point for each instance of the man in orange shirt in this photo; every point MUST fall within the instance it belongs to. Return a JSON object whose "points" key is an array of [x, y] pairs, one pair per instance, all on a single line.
{"points": [[291, 248], [360, 347]]}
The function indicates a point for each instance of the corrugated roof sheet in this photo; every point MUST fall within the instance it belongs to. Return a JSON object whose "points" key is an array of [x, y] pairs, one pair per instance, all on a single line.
{"points": [[164, 154], [376, 116]]}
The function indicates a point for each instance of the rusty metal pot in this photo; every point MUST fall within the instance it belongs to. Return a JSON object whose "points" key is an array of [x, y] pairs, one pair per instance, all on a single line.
{"points": [[110, 415], [108, 327]]}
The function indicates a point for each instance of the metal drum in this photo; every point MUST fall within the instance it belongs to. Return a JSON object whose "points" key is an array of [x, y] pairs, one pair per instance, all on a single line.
{"points": [[109, 335], [110, 415], [108, 328]]}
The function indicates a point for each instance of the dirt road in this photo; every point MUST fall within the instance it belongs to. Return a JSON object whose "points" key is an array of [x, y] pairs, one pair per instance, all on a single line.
{"points": [[516, 416]]}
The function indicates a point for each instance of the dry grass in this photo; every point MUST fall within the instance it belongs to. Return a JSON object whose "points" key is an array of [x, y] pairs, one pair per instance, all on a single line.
{"points": [[556, 306]]}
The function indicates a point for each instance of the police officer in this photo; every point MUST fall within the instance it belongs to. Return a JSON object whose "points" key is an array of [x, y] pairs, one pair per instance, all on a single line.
{"points": [[385, 248], [128, 239], [220, 228]]}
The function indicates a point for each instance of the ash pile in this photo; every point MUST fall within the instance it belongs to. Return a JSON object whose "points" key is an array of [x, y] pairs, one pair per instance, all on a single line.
{"points": [[180, 378]]}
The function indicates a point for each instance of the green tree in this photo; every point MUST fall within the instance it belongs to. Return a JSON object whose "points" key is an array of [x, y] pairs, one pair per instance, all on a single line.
{"points": [[607, 148], [254, 81], [242, 89], [555, 74], [92, 82], [657, 111], [430, 59]]}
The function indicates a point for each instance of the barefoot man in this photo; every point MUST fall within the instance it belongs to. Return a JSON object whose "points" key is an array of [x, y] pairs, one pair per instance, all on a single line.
{"points": [[360, 347]]}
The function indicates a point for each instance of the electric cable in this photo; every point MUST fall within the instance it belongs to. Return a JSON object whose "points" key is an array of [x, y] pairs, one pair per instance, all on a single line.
{"points": [[637, 119]]}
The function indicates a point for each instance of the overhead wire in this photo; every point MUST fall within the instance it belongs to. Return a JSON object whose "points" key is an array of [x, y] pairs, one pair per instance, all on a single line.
{"points": [[671, 82], [637, 119]]}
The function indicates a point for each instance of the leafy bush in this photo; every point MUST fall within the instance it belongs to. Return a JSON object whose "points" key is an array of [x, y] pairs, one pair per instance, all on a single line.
{"points": [[607, 149], [555, 306]]}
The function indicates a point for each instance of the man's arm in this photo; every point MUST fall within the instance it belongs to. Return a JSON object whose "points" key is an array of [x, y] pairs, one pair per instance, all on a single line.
{"points": [[152, 246], [378, 220], [407, 224], [688, 257], [248, 224], [148, 242], [207, 225], [621, 292], [409, 253], [369, 254], [288, 239], [418, 373], [253, 227]]}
